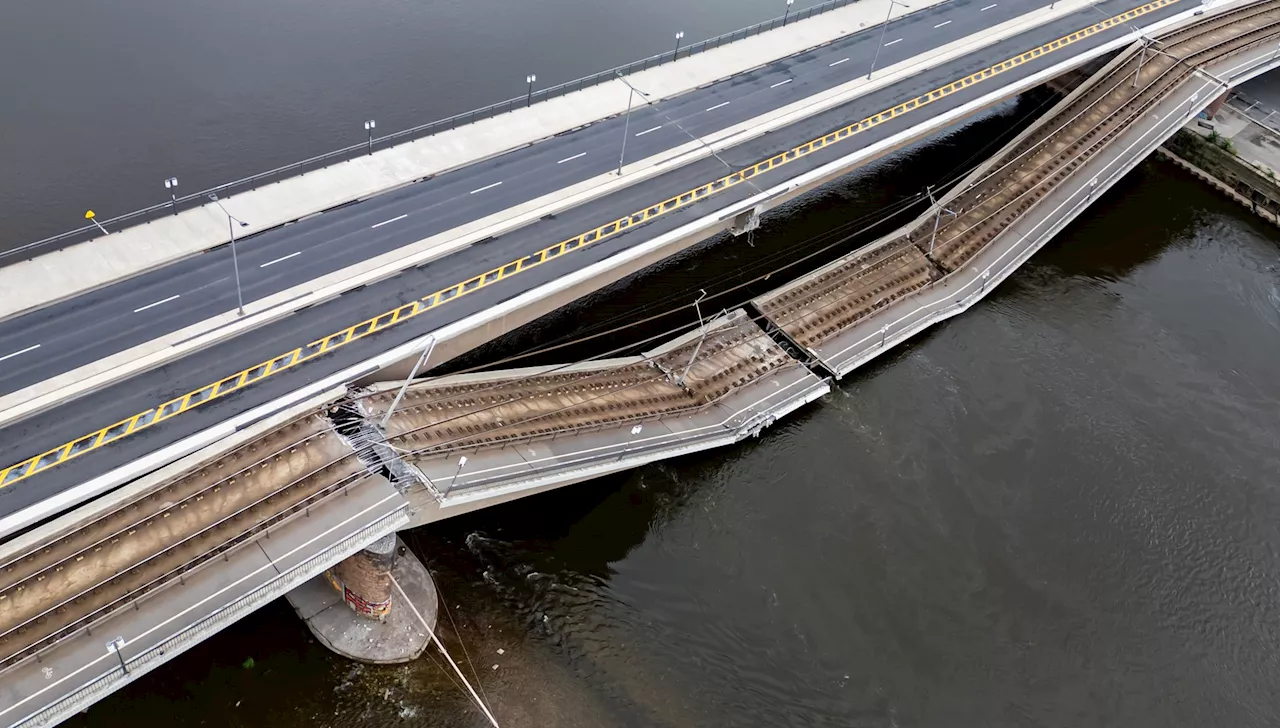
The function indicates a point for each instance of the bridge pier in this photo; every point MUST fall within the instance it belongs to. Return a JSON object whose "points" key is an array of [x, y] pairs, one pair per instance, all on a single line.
{"points": [[377, 606]]}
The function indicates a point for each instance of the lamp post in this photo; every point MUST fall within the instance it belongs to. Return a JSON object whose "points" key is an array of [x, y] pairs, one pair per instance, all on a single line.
{"points": [[116, 645], [884, 27], [369, 126], [679, 37], [461, 461], [626, 122], [171, 184], [786, 14], [529, 80], [88, 215], [235, 261]]}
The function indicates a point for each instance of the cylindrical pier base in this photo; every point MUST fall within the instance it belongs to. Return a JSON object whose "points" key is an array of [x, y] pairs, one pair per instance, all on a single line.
{"points": [[364, 579]]}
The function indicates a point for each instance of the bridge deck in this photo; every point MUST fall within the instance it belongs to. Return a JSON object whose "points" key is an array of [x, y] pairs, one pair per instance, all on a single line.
{"points": [[60, 587], [857, 306], [512, 276], [79, 670], [521, 425], [606, 416]]}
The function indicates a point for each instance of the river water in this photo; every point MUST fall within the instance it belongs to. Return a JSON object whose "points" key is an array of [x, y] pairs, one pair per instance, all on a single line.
{"points": [[1058, 509]]}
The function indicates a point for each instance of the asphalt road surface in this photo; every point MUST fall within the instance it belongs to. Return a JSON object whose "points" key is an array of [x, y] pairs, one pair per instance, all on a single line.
{"points": [[349, 227], [87, 328]]}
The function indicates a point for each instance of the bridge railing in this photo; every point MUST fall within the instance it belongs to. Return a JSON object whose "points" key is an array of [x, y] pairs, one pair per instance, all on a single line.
{"points": [[1256, 110], [196, 199]]}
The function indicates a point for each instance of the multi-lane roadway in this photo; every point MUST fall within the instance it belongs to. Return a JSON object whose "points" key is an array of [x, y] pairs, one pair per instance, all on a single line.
{"points": [[84, 329]]}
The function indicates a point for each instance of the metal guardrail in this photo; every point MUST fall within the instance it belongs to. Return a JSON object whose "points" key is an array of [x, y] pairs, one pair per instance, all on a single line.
{"points": [[1255, 110], [196, 199]]}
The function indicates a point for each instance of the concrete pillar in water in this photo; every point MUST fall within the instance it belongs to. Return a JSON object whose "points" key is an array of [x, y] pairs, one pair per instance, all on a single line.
{"points": [[364, 578], [378, 605]]}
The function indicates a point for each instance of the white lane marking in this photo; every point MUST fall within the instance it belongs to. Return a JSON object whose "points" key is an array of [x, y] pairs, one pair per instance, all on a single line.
{"points": [[780, 83], [939, 25], [992, 5], [646, 131], [294, 255], [570, 159], [386, 222], [842, 60], [486, 187], [886, 45], [157, 303], [713, 108], [10, 356]]}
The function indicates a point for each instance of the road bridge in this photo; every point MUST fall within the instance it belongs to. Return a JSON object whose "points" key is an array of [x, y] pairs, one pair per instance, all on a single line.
{"points": [[177, 405], [524, 431]]}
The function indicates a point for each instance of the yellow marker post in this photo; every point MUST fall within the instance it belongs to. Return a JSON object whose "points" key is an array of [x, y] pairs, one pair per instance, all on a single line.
{"points": [[88, 215]]}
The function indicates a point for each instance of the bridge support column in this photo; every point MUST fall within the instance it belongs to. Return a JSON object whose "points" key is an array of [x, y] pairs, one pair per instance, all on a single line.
{"points": [[1212, 109], [377, 605], [364, 579]]}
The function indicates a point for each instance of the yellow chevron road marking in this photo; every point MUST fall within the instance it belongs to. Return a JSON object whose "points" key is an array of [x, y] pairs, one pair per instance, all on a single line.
{"points": [[252, 375]]}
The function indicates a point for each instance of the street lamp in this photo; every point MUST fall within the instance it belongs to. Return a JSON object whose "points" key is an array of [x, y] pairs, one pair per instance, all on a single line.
{"points": [[171, 184], [529, 80], [788, 12], [884, 27], [626, 123], [235, 262], [369, 126], [117, 645], [461, 461], [679, 37]]}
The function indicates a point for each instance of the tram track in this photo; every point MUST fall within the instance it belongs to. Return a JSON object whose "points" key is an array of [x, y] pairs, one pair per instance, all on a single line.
{"points": [[66, 585], [821, 306]]}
